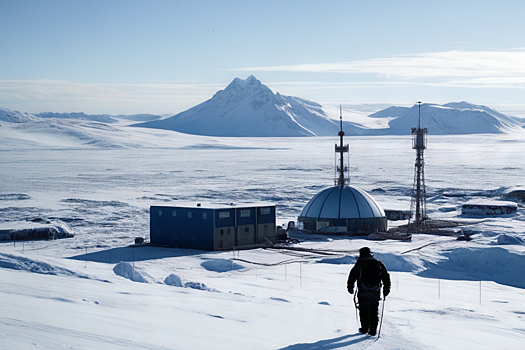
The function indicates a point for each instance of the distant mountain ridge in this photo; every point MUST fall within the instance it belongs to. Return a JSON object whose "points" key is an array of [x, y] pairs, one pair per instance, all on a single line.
{"points": [[103, 118], [248, 108], [449, 119], [10, 116]]}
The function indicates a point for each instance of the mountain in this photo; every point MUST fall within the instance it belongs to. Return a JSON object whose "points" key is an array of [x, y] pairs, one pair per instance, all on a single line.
{"points": [[451, 118], [250, 108], [103, 118], [10, 116]]}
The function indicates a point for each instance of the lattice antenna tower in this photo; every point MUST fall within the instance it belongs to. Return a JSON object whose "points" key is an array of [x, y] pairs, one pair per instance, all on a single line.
{"points": [[342, 168], [418, 204]]}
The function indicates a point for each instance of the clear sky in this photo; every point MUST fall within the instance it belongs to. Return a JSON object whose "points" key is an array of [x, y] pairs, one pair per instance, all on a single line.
{"points": [[166, 56]]}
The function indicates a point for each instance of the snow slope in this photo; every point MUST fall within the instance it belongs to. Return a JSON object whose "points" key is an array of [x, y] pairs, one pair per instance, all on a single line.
{"points": [[135, 299], [448, 119], [96, 291], [10, 116], [249, 108]]}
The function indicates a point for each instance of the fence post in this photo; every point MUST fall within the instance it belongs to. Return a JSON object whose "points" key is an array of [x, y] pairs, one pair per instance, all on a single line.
{"points": [[479, 292]]}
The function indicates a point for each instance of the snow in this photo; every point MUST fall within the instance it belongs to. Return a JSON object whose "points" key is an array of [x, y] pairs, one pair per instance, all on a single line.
{"points": [[97, 290], [10, 116], [250, 108]]}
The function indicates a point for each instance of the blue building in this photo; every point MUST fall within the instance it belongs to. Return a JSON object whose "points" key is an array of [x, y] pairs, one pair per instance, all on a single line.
{"points": [[213, 227]]}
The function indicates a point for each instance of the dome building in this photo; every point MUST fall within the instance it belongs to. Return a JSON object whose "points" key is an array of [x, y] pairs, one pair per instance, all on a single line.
{"points": [[342, 208]]}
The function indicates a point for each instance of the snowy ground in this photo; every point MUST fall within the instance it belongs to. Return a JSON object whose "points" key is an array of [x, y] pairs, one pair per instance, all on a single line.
{"points": [[94, 290]]}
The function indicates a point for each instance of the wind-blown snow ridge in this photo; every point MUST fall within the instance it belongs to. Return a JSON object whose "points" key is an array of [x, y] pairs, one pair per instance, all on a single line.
{"points": [[488, 264], [10, 116], [15, 262]]}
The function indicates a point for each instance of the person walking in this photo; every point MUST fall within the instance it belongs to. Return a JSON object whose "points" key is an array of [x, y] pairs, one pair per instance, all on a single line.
{"points": [[370, 275]]}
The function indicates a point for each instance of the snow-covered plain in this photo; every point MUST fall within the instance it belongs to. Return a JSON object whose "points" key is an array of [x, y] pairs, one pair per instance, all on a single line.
{"points": [[94, 290]]}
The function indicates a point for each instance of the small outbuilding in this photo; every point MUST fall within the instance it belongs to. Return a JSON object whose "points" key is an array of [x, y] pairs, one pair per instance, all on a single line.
{"points": [[489, 208], [213, 226]]}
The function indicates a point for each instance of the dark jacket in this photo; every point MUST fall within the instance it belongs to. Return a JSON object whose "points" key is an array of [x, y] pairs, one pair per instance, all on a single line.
{"points": [[355, 274]]}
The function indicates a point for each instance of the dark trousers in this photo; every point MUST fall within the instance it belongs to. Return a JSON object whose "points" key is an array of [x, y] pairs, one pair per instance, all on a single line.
{"points": [[368, 310]]}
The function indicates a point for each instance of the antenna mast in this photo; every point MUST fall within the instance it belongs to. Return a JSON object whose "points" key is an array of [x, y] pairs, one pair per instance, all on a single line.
{"points": [[418, 204], [342, 171]]}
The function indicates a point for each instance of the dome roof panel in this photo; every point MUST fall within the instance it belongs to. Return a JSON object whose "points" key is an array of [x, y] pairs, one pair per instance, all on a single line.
{"points": [[365, 210], [342, 203], [331, 205], [349, 208], [314, 206], [374, 206]]}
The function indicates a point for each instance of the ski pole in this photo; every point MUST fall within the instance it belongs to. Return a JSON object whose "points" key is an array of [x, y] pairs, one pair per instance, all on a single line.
{"points": [[356, 307], [382, 313]]}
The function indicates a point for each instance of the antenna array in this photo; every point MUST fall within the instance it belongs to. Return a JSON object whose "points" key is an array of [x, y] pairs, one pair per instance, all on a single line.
{"points": [[418, 204]]}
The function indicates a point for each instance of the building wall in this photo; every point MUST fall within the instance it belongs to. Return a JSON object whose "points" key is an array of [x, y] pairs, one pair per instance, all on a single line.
{"points": [[181, 227], [266, 220], [211, 229], [224, 232], [364, 226], [246, 220]]}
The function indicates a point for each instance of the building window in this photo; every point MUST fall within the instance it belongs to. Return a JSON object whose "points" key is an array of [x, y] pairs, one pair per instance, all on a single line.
{"points": [[190, 215], [265, 211], [204, 216], [224, 214], [245, 213], [160, 212], [174, 213], [222, 232]]}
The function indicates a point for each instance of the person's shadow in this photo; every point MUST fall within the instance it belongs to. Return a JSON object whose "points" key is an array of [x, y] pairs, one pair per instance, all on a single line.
{"points": [[335, 343]]}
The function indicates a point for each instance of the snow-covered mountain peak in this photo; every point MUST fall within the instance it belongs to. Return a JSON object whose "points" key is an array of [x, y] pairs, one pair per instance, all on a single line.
{"points": [[251, 83], [249, 108]]}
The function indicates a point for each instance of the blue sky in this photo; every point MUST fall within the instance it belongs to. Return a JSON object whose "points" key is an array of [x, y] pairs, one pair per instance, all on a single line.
{"points": [[167, 56]]}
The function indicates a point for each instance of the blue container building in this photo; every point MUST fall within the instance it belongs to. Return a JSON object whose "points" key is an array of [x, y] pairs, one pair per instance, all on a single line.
{"points": [[213, 227]]}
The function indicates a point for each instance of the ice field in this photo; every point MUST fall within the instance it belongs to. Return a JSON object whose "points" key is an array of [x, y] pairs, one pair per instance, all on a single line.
{"points": [[94, 290]]}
